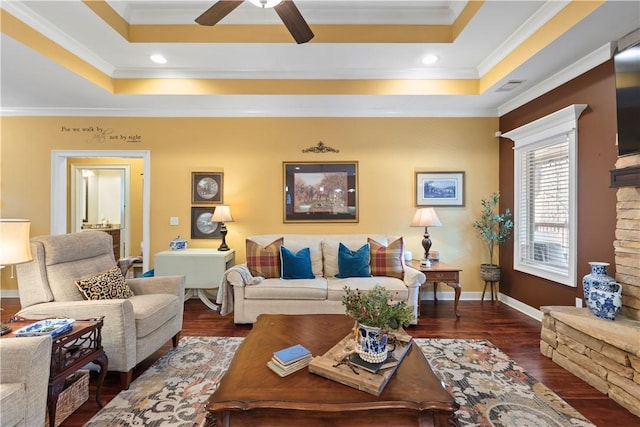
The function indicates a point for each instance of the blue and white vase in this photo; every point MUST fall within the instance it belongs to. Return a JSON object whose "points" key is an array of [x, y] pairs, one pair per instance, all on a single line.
{"points": [[601, 292], [372, 344]]}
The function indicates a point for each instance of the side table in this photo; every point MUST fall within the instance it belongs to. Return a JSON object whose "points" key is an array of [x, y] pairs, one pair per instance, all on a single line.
{"points": [[202, 268], [69, 353], [441, 272]]}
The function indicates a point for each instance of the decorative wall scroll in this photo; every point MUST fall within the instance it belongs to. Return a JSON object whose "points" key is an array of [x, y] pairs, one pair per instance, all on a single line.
{"points": [[320, 148]]}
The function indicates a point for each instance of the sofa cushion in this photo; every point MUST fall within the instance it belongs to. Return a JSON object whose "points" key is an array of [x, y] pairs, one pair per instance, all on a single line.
{"points": [[296, 289], [330, 248], [264, 260], [151, 311], [295, 265], [353, 263], [13, 401], [110, 284], [387, 260], [335, 286], [315, 250]]}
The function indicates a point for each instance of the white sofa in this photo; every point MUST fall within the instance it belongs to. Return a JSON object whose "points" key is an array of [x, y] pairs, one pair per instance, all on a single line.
{"points": [[322, 294]]}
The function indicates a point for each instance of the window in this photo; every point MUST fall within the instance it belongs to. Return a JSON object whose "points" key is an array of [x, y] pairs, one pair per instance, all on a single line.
{"points": [[545, 215]]}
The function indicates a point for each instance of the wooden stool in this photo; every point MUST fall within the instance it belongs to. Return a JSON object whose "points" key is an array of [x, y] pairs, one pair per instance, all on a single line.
{"points": [[494, 291]]}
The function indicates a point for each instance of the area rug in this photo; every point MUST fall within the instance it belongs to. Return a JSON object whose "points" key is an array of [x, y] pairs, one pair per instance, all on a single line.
{"points": [[492, 389]]}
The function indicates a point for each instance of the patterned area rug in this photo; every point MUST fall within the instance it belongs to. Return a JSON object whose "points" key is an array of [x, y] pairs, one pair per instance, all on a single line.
{"points": [[492, 389]]}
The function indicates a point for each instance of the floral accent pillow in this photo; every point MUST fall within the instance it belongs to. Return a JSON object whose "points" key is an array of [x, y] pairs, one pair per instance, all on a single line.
{"points": [[264, 261], [108, 285], [387, 260]]}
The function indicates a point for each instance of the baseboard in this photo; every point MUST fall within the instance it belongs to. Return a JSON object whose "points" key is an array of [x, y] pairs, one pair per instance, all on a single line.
{"points": [[9, 293], [477, 296], [520, 306]]}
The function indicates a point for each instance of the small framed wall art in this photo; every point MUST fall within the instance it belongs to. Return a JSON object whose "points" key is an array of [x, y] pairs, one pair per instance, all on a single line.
{"points": [[206, 187], [201, 225], [320, 191], [439, 188]]}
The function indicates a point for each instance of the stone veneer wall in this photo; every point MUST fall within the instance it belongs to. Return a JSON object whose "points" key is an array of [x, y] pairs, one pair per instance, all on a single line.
{"points": [[603, 353], [627, 243]]}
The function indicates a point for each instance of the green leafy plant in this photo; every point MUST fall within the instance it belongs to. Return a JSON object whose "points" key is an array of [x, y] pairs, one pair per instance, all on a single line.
{"points": [[374, 308], [493, 227]]}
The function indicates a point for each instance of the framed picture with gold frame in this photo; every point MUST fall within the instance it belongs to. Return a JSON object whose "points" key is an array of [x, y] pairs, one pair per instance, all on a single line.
{"points": [[320, 191], [206, 187]]}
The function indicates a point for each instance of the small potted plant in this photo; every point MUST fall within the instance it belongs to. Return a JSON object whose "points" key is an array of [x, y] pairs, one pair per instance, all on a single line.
{"points": [[494, 229], [376, 316]]}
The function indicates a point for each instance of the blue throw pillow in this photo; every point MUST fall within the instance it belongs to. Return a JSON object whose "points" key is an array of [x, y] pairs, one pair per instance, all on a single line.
{"points": [[295, 266], [353, 263]]}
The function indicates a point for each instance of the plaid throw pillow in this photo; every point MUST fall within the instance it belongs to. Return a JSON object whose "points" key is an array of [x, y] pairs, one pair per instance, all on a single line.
{"points": [[108, 285], [387, 260], [264, 261]]}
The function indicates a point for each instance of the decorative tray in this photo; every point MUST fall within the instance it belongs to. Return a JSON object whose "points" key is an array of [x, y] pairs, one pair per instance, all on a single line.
{"points": [[53, 327]]}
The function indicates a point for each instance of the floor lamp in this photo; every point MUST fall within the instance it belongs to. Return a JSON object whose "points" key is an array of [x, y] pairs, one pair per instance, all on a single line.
{"points": [[14, 248], [426, 217]]}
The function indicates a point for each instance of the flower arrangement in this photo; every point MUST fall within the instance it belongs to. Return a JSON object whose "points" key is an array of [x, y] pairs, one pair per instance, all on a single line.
{"points": [[374, 308]]}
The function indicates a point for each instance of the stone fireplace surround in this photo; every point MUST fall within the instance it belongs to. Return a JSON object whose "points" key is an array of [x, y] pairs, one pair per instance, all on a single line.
{"points": [[603, 353]]}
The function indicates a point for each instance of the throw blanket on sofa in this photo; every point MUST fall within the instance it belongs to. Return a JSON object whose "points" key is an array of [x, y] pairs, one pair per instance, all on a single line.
{"points": [[224, 298]]}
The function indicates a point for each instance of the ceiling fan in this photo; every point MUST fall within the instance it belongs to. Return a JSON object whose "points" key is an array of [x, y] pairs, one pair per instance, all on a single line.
{"points": [[286, 9]]}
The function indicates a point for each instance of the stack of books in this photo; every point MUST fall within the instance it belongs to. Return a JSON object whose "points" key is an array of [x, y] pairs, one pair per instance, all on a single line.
{"points": [[289, 360]]}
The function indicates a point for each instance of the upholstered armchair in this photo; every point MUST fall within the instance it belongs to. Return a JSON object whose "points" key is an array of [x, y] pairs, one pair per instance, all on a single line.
{"points": [[134, 327], [24, 376]]}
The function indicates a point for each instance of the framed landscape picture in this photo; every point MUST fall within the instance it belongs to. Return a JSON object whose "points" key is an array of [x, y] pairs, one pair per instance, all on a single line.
{"points": [[206, 187], [201, 225], [320, 191], [439, 188]]}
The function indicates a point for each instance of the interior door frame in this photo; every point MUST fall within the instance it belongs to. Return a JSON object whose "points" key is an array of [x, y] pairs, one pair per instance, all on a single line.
{"points": [[59, 179]]}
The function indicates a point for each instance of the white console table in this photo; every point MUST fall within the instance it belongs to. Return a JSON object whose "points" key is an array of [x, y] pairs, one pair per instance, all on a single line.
{"points": [[203, 269]]}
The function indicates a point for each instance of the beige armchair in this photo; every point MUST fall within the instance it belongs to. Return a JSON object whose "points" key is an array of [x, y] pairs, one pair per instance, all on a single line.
{"points": [[24, 376], [134, 328]]}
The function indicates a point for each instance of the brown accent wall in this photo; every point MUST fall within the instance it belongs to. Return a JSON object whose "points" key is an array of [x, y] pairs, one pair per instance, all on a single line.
{"points": [[597, 154]]}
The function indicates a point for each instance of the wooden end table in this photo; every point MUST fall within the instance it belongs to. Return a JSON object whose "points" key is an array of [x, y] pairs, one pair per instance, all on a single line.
{"points": [[441, 272], [69, 353], [250, 394]]}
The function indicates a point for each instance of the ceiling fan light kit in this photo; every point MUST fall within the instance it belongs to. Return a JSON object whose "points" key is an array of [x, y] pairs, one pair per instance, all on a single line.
{"points": [[286, 10], [266, 3]]}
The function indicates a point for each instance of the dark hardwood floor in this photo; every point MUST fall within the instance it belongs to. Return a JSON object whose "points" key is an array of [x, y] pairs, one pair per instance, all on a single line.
{"points": [[513, 332]]}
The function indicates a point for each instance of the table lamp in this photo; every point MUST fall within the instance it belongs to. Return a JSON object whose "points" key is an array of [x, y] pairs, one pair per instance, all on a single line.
{"points": [[426, 217], [14, 248], [222, 214]]}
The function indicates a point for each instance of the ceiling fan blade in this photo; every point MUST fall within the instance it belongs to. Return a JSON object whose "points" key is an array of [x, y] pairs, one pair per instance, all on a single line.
{"points": [[294, 21], [219, 10]]}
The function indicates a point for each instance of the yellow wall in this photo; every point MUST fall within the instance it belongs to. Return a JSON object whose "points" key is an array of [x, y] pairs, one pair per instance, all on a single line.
{"points": [[250, 152]]}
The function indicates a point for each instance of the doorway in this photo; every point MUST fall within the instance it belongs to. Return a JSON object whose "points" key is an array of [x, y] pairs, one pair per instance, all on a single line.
{"points": [[100, 199], [60, 208]]}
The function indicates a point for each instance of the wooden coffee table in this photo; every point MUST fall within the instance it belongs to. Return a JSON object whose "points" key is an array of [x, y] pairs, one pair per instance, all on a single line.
{"points": [[250, 394]]}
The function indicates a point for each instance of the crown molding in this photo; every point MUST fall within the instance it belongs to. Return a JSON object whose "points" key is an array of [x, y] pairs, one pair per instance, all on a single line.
{"points": [[592, 60]]}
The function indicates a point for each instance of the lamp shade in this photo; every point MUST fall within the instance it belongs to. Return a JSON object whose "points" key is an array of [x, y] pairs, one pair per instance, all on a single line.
{"points": [[14, 241], [222, 213], [425, 217]]}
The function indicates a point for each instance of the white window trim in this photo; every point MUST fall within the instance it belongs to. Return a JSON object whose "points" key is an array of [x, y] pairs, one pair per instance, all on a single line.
{"points": [[532, 136]]}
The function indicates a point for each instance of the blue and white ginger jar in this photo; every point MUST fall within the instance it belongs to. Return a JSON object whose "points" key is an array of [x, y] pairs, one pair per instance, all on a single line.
{"points": [[178, 244], [602, 293]]}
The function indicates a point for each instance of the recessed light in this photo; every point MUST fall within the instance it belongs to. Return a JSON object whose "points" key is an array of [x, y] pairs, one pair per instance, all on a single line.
{"points": [[429, 59], [158, 59]]}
